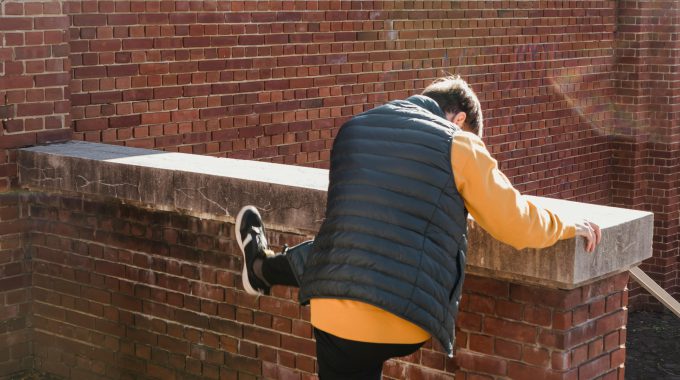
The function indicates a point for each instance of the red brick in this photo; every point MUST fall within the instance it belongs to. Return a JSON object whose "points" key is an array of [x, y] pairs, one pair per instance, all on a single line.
{"points": [[594, 368], [138, 43], [469, 321], [54, 136], [56, 79], [153, 118], [18, 141], [89, 72], [487, 286], [470, 361], [614, 302], [35, 109], [611, 322], [300, 345], [597, 308], [560, 360], [518, 370], [595, 348], [55, 22], [508, 349], [511, 310], [606, 286], [122, 19], [16, 23], [168, 92], [159, 372], [611, 341], [188, 115], [33, 8], [13, 82], [14, 9], [89, 20], [580, 314], [510, 330], [536, 356], [153, 68], [538, 315], [481, 343], [90, 125], [125, 121], [106, 97], [557, 298]]}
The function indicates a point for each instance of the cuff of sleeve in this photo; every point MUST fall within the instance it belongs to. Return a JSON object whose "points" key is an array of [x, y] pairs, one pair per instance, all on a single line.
{"points": [[569, 232]]}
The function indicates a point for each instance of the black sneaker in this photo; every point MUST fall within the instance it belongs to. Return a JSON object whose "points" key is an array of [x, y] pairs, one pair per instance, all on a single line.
{"points": [[250, 237]]}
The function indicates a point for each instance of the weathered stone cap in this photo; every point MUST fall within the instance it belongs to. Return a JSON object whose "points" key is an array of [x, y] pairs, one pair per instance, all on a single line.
{"points": [[293, 199], [626, 241]]}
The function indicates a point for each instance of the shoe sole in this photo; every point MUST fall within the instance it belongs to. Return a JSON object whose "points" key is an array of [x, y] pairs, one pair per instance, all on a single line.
{"points": [[244, 273]]}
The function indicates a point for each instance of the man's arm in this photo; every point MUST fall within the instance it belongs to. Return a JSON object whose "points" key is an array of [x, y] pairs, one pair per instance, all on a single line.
{"points": [[500, 209]]}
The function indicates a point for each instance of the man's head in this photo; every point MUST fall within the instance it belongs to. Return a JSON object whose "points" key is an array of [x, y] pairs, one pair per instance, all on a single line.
{"points": [[458, 101]]}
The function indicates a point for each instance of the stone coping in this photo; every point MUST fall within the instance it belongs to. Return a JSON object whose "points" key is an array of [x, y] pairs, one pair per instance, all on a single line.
{"points": [[293, 199]]}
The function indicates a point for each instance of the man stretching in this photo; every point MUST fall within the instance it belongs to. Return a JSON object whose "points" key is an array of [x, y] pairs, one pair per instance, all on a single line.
{"points": [[385, 271]]}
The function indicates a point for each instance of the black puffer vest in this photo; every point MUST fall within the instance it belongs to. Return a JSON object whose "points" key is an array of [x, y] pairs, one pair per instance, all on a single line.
{"points": [[395, 229]]}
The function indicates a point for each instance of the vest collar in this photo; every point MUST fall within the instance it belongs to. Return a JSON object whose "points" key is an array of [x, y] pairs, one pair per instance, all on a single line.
{"points": [[428, 104]]}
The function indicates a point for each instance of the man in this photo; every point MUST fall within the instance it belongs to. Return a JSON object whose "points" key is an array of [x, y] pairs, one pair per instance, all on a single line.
{"points": [[385, 271]]}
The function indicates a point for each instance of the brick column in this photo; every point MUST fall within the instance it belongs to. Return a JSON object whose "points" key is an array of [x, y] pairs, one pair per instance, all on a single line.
{"points": [[531, 332], [34, 109], [647, 131], [34, 80], [15, 292], [555, 313]]}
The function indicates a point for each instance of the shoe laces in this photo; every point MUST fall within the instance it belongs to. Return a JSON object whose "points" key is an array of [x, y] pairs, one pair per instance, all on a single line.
{"points": [[259, 238]]}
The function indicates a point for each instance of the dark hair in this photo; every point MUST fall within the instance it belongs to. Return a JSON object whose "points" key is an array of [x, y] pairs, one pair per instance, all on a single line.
{"points": [[454, 95]]}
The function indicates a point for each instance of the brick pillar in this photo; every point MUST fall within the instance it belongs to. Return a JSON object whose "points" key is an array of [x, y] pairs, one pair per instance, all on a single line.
{"points": [[34, 80], [15, 287], [34, 109], [519, 331], [646, 139]]}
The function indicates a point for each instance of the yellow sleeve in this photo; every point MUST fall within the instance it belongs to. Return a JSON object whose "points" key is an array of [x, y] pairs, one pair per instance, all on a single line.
{"points": [[495, 204]]}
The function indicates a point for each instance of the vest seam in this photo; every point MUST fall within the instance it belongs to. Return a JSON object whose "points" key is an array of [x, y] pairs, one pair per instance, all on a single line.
{"points": [[409, 247], [425, 239], [385, 272]]}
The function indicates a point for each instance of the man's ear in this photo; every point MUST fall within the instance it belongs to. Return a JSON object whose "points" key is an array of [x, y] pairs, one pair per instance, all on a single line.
{"points": [[459, 119]]}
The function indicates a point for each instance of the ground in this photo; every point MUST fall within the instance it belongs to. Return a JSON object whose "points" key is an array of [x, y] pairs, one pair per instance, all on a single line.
{"points": [[653, 346]]}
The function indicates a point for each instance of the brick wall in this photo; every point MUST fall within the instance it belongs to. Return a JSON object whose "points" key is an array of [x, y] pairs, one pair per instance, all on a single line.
{"points": [[123, 292], [120, 292], [34, 109], [34, 78], [561, 85], [15, 286], [274, 80], [573, 109], [646, 138], [581, 99]]}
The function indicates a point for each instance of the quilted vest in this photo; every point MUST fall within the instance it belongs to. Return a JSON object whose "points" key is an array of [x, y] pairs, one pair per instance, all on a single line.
{"points": [[395, 229]]}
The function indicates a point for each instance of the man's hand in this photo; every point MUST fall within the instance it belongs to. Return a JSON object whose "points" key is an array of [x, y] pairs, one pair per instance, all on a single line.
{"points": [[591, 232]]}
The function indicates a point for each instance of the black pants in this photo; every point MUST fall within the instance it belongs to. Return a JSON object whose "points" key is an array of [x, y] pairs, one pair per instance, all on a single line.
{"points": [[348, 359], [338, 358]]}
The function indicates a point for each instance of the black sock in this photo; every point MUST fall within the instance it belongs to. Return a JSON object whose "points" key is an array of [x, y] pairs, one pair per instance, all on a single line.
{"points": [[277, 271], [257, 269]]}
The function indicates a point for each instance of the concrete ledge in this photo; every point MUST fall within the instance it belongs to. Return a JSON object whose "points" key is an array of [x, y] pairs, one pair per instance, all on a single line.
{"points": [[293, 199], [626, 241]]}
